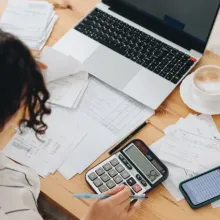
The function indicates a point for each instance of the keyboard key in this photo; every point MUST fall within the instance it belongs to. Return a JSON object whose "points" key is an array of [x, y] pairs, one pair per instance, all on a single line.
{"points": [[100, 171], [98, 182], [107, 166], [119, 168], [118, 179], [157, 70], [92, 176], [176, 79], [169, 76], [112, 173], [131, 181], [110, 184], [105, 177], [103, 189], [114, 162], [137, 188], [189, 63], [125, 174]]}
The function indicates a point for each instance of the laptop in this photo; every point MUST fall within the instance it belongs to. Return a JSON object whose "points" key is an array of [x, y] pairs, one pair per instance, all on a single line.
{"points": [[144, 48]]}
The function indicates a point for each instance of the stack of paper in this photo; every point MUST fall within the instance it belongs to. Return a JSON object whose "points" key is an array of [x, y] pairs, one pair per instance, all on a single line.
{"points": [[77, 137], [186, 149], [107, 116], [66, 80], [31, 21], [46, 154]]}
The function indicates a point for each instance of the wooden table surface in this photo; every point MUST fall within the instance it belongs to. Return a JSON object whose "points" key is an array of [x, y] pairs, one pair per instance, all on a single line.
{"points": [[160, 205]]}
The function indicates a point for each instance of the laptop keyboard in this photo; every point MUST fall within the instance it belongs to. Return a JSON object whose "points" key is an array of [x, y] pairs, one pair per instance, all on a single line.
{"points": [[136, 45]]}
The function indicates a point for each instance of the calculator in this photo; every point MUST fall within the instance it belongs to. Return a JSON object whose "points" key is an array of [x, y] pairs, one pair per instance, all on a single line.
{"points": [[135, 166]]}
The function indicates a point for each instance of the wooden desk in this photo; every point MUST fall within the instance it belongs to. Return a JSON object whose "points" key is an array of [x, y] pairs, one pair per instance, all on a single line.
{"points": [[160, 205]]}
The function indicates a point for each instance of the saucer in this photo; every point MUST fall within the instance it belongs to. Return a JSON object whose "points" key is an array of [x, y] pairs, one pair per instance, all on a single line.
{"points": [[186, 92]]}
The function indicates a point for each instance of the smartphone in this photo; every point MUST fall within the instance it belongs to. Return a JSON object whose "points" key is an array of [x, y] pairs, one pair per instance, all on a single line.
{"points": [[203, 189]]}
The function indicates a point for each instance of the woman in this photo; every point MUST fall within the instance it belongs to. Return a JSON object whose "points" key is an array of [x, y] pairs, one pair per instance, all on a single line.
{"points": [[22, 87]]}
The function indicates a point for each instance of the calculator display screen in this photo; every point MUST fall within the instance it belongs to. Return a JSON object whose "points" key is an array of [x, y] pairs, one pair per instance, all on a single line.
{"points": [[143, 164], [203, 188]]}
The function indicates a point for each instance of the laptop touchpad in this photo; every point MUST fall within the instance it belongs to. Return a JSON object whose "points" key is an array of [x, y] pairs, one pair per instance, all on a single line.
{"points": [[111, 67], [77, 45]]}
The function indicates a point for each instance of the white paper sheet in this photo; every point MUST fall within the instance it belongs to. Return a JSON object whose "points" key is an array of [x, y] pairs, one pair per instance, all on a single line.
{"points": [[216, 204], [59, 65], [188, 144], [31, 21], [201, 125], [47, 154], [66, 91], [107, 116]]}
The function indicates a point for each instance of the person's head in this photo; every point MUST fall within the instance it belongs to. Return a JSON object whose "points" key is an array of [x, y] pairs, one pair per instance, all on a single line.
{"points": [[21, 85]]}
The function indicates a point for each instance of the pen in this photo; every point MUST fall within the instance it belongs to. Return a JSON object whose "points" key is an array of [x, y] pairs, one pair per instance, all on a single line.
{"points": [[127, 138], [103, 196]]}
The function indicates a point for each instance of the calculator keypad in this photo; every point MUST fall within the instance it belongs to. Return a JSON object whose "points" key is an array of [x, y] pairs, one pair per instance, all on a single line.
{"points": [[116, 171]]}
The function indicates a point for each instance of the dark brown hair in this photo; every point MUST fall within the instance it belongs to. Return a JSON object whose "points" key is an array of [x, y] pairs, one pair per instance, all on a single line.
{"points": [[21, 85]]}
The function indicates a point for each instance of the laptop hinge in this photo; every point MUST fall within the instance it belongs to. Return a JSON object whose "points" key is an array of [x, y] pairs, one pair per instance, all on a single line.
{"points": [[103, 6], [195, 54]]}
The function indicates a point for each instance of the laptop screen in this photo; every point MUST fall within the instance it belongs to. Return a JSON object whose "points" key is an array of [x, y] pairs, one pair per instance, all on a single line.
{"points": [[191, 18], [195, 17]]}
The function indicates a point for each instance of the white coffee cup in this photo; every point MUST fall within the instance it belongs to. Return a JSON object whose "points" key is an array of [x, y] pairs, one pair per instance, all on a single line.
{"points": [[206, 85]]}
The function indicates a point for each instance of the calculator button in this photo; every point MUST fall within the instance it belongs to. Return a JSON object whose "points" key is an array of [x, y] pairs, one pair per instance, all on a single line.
{"points": [[114, 162], [110, 184], [128, 166], [120, 168], [137, 188], [98, 182], [118, 179], [112, 173], [105, 177], [125, 174], [103, 188], [92, 176], [131, 181], [138, 176], [107, 166], [143, 182], [121, 157], [100, 171]]}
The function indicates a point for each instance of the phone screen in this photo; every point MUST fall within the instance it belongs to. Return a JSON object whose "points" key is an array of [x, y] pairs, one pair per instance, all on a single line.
{"points": [[203, 188]]}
